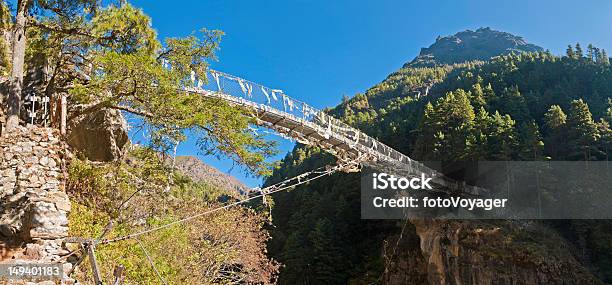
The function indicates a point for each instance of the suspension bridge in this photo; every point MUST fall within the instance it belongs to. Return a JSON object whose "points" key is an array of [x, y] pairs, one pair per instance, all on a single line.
{"points": [[294, 119], [297, 120], [275, 110]]}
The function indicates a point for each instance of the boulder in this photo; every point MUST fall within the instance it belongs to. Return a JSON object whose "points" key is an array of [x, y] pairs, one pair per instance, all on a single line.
{"points": [[100, 136]]}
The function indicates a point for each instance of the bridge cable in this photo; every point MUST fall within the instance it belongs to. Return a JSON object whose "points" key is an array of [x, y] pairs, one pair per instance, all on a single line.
{"points": [[281, 186], [151, 262]]}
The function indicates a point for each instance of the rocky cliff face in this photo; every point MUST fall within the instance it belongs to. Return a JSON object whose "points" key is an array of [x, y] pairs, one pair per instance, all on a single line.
{"points": [[468, 45], [478, 252], [99, 136]]}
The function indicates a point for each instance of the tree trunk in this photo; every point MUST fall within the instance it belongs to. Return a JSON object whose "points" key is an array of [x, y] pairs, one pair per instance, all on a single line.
{"points": [[17, 60], [63, 114]]}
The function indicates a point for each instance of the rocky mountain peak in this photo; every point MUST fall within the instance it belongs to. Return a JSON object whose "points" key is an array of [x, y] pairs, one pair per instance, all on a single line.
{"points": [[469, 45]]}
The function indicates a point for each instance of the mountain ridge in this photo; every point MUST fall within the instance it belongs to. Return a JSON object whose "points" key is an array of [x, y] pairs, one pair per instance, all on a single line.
{"points": [[481, 44], [199, 171]]}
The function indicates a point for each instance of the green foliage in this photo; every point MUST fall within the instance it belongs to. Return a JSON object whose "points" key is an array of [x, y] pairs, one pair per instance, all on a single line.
{"points": [[605, 141], [446, 127], [478, 98], [513, 103], [579, 53], [531, 142], [319, 236], [570, 52], [581, 130], [604, 59], [510, 108], [5, 24], [555, 122], [143, 192], [124, 30], [327, 261], [555, 118], [190, 54], [109, 57], [502, 140], [101, 186]]}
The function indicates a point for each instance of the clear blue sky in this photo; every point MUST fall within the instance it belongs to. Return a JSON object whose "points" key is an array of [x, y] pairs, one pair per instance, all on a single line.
{"points": [[317, 51]]}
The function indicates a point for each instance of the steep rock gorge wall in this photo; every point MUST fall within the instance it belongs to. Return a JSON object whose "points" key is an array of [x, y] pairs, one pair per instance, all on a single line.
{"points": [[484, 252], [34, 206]]}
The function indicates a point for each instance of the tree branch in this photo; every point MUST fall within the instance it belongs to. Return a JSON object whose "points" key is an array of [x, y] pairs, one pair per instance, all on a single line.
{"points": [[132, 110], [67, 31]]}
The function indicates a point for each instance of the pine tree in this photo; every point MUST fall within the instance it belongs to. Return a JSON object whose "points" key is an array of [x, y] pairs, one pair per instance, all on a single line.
{"points": [[581, 131], [513, 103], [426, 133], [605, 140], [445, 128], [597, 55], [579, 53], [502, 138], [489, 94], [478, 96], [531, 144], [570, 52], [480, 135], [325, 254], [604, 57], [295, 256], [109, 59], [608, 115], [591, 53], [555, 117], [555, 120]]}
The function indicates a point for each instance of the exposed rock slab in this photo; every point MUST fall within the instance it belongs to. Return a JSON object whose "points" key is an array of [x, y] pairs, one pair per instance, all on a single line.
{"points": [[100, 136], [485, 252]]}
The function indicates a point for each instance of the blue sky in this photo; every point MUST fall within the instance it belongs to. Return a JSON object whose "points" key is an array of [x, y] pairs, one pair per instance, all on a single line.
{"points": [[318, 51]]}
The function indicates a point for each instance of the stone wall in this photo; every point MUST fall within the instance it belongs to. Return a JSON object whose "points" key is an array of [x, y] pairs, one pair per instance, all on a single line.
{"points": [[34, 206]]}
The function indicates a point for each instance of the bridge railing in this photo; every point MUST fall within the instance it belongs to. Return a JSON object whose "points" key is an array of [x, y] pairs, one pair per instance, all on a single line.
{"points": [[239, 89]]}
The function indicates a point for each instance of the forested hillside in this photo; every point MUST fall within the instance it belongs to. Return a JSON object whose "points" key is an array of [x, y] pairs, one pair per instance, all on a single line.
{"points": [[519, 106]]}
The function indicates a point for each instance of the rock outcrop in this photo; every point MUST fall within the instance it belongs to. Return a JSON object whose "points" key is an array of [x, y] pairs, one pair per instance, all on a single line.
{"points": [[99, 136], [488, 253], [34, 206], [481, 44]]}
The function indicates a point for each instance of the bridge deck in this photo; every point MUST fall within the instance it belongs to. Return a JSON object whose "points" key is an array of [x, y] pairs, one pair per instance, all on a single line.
{"points": [[347, 144]]}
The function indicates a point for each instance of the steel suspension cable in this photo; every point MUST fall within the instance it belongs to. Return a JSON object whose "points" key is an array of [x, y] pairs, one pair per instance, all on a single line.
{"points": [[275, 188]]}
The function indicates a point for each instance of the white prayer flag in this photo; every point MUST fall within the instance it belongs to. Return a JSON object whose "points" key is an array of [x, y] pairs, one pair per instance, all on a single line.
{"points": [[265, 93], [216, 77], [244, 90]]}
